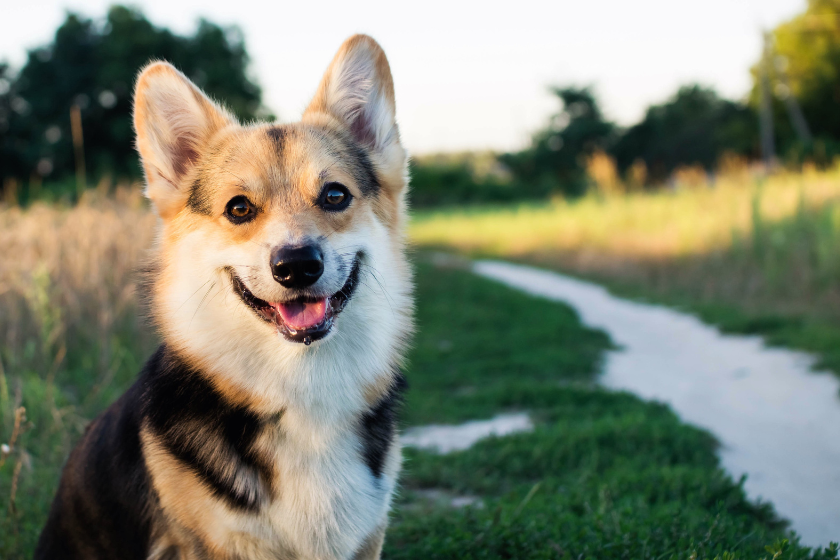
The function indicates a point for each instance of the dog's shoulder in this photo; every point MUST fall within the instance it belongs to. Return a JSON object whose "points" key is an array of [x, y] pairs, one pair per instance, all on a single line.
{"points": [[210, 436]]}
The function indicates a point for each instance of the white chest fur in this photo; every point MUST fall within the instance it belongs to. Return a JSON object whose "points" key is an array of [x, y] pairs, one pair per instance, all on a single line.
{"points": [[326, 502], [329, 503]]}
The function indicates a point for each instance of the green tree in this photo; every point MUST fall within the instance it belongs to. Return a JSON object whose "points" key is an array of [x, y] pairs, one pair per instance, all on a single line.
{"points": [[555, 160], [696, 126], [806, 65], [93, 64], [8, 141]]}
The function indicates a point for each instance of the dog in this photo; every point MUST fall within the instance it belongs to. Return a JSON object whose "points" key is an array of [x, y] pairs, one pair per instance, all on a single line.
{"points": [[265, 424]]}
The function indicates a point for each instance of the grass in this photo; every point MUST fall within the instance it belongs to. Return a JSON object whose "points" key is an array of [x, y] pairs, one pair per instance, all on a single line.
{"points": [[603, 474], [753, 256], [646, 225], [71, 340]]}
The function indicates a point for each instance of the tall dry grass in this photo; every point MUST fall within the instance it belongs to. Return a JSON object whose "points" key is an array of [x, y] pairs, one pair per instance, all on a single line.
{"points": [[70, 339], [760, 243]]}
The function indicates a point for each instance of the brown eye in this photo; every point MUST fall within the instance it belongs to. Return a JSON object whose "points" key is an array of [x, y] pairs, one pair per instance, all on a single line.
{"points": [[240, 210], [335, 197]]}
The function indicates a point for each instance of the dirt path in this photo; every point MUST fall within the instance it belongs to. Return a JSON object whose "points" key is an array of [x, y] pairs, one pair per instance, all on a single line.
{"points": [[778, 421]]}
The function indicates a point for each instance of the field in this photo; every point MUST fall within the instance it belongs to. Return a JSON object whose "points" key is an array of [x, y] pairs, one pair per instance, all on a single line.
{"points": [[603, 474], [754, 255], [72, 340]]}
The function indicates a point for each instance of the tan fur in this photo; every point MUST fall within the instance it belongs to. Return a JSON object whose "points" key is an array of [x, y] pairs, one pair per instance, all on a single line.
{"points": [[190, 507], [160, 84], [197, 158]]}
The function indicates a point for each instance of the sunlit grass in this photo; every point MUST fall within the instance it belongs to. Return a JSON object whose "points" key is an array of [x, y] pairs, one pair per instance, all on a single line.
{"points": [[71, 339], [660, 224], [604, 474], [751, 255]]}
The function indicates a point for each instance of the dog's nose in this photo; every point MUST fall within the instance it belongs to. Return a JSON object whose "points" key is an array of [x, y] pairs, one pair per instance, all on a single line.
{"points": [[297, 267]]}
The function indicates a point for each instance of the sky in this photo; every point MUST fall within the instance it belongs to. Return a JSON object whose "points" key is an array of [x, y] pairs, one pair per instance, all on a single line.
{"points": [[468, 75]]}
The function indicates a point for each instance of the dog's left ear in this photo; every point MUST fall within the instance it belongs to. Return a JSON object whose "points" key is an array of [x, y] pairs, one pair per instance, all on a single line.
{"points": [[173, 120], [358, 91]]}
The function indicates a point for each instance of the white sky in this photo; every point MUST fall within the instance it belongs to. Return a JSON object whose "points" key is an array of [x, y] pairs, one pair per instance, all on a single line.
{"points": [[468, 75]]}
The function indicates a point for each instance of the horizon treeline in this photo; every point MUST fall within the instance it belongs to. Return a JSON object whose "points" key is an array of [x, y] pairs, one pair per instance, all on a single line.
{"points": [[90, 66], [691, 135]]}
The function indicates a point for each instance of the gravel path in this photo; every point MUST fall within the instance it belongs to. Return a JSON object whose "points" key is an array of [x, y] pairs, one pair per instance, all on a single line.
{"points": [[778, 421]]}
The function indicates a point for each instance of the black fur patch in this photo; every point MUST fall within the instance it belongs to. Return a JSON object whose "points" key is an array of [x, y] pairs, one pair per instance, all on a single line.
{"points": [[343, 147], [106, 507], [379, 425], [277, 135], [199, 201], [362, 169], [210, 436], [101, 509]]}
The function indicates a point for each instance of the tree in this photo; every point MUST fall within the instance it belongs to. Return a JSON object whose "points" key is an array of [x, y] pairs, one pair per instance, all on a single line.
{"points": [[555, 160], [93, 65], [695, 127], [806, 65]]}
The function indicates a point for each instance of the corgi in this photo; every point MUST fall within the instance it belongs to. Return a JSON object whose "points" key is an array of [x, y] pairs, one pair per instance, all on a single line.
{"points": [[265, 424]]}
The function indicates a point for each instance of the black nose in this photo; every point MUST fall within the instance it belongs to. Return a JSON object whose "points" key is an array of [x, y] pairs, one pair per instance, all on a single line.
{"points": [[297, 267]]}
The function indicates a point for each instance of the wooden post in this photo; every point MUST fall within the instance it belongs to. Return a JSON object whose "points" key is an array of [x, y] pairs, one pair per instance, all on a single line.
{"points": [[78, 148], [797, 119], [768, 144]]}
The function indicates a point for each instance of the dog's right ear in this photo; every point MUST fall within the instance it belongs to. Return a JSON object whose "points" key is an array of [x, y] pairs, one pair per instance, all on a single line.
{"points": [[173, 121], [357, 90]]}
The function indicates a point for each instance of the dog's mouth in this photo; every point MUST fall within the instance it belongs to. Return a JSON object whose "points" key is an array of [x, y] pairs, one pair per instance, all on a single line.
{"points": [[303, 319]]}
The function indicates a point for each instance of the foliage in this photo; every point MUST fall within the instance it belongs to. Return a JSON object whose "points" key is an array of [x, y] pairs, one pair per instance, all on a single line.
{"points": [[93, 65], [452, 179], [807, 50], [555, 160], [696, 126]]}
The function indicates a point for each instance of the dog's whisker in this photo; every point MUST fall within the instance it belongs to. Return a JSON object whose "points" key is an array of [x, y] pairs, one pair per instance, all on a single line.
{"points": [[374, 275], [213, 285], [191, 296]]}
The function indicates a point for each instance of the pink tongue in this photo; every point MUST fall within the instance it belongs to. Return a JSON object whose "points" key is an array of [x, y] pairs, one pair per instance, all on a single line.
{"points": [[299, 315]]}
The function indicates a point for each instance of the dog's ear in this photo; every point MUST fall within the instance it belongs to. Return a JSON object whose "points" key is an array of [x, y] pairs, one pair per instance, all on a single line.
{"points": [[173, 121], [358, 91]]}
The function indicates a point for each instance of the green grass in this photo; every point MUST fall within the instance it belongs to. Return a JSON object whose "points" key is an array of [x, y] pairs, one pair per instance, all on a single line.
{"points": [[751, 257], [809, 332], [648, 225], [60, 397], [780, 280], [603, 475]]}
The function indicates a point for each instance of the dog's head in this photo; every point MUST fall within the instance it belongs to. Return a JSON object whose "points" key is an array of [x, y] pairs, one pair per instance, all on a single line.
{"points": [[277, 237]]}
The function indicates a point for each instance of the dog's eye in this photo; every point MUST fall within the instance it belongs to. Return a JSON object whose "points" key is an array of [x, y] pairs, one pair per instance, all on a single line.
{"points": [[240, 210], [335, 197]]}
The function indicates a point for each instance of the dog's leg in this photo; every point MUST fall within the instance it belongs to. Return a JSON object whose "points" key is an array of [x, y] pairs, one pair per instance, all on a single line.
{"points": [[372, 547]]}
